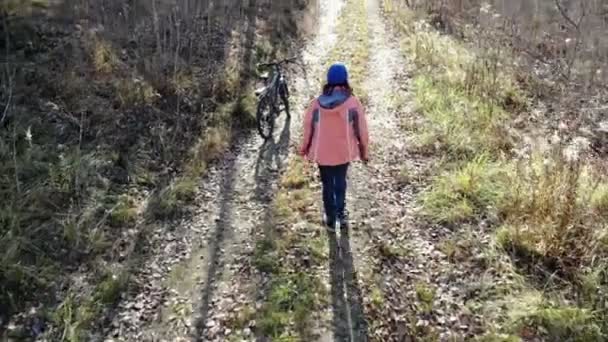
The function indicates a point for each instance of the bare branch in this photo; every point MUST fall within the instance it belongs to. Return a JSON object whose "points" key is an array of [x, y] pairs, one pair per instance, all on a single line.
{"points": [[15, 164], [583, 13], [8, 73], [8, 102], [566, 16]]}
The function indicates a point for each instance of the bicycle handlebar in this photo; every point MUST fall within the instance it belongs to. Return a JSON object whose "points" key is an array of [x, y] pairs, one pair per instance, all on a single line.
{"points": [[279, 62]]}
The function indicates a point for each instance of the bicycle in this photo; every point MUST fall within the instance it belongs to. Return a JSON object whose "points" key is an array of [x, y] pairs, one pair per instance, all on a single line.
{"points": [[268, 97]]}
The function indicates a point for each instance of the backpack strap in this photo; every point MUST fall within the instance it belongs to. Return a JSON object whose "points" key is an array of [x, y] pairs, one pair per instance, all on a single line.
{"points": [[316, 116], [353, 118]]}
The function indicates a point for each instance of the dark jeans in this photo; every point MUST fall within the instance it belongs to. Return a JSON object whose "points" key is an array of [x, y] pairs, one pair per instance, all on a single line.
{"points": [[334, 190]]}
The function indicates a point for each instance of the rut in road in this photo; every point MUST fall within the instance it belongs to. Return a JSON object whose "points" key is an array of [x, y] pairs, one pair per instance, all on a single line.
{"points": [[375, 287], [375, 210], [401, 267]]}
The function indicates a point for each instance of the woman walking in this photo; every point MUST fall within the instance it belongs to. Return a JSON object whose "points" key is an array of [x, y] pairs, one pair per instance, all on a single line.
{"points": [[335, 134]]}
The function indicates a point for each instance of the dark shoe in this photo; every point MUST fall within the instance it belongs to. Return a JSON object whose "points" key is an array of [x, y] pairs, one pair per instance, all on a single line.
{"points": [[329, 224], [343, 220]]}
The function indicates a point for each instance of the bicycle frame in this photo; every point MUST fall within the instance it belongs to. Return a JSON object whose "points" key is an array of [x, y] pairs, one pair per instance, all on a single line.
{"points": [[275, 90], [272, 87]]}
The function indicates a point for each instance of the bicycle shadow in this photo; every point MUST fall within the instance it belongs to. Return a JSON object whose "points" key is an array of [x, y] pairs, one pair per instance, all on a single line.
{"points": [[349, 321], [270, 162], [268, 167]]}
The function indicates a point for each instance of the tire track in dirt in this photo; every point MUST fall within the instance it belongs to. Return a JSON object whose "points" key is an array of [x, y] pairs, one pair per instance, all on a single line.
{"points": [[307, 86], [385, 247], [410, 289]]}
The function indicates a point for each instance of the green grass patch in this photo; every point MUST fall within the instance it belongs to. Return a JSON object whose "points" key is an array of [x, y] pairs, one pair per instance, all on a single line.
{"points": [[76, 313], [426, 297], [111, 287], [292, 296], [22, 7], [295, 176], [124, 213], [461, 125], [405, 176], [458, 248], [392, 251], [265, 256], [497, 337], [467, 192], [239, 112], [377, 297], [599, 200], [479, 73], [172, 201], [318, 249], [531, 316], [289, 304]]}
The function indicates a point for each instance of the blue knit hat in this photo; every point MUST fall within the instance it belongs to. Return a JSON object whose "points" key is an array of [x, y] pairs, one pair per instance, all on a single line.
{"points": [[337, 74]]}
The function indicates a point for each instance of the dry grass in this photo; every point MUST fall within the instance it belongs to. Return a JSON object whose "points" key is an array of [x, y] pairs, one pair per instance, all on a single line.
{"points": [[568, 40], [76, 314], [548, 223], [546, 207], [549, 215], [464, 97], [104, 58], [135, 92], [21, 7], [96, 104]]}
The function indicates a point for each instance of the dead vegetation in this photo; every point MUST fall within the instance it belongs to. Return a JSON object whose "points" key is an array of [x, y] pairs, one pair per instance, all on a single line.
{"points": [[528, 180], [556, 49], [109, 114]]}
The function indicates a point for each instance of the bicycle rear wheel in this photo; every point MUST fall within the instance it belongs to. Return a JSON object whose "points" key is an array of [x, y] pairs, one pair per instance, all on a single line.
{"points": [[265, 117]]}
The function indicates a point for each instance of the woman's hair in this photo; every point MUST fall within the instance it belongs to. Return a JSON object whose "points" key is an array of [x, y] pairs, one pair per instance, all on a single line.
{"points": [[328, 89]]}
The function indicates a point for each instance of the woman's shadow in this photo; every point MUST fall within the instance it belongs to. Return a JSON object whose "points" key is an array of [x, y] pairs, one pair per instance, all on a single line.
{"points": [[349, 319]]}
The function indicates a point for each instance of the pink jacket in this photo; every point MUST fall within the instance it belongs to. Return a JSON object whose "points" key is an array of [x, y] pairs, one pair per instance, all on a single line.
{"points": [[335, 130]]}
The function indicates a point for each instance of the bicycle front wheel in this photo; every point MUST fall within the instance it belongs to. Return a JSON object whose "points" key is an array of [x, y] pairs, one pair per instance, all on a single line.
{"points": [[265, 117]]}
